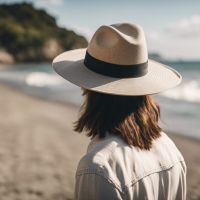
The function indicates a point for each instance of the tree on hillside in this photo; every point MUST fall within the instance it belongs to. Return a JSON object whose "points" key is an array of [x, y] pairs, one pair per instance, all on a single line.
{"points": [[29, 33]]}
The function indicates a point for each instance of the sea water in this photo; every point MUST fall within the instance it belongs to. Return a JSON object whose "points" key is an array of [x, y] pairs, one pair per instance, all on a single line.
{"points": [[180, 106]]}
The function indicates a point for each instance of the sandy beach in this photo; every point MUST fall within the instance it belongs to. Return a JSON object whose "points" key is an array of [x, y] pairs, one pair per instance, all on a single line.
{"points": [[39, 150]]}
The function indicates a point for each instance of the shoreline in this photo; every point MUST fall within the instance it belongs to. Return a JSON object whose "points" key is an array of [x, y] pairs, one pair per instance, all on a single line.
{"points": [[38, 141], [70, 104]]}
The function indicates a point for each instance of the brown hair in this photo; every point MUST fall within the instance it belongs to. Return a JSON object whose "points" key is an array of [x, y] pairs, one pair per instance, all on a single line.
{"points": [[134, 118]]}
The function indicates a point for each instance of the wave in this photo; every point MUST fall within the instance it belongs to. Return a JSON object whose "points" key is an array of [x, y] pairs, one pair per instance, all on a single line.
{"points": [[42, 79], [189, 91]]}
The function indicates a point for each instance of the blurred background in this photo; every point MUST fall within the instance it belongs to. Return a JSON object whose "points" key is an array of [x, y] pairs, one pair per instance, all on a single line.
{"points": [[39, 151]]}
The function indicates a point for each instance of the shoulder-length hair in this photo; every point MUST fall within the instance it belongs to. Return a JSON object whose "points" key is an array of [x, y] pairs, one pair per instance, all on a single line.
{"points": [[134, 118]]}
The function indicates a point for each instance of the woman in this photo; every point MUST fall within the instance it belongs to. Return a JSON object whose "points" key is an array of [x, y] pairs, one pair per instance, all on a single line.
{"points": [[129, 157]]}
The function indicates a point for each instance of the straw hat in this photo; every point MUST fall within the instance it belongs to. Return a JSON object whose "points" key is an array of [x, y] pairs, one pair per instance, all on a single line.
{"points": [[116, 62]]}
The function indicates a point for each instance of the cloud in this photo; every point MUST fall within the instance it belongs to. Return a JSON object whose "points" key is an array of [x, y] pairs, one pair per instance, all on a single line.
{"points": [[179, 40], [186, 27]]}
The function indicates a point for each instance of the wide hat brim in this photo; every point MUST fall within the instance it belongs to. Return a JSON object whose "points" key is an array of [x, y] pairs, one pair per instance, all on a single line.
{"points": [[70, 65]]}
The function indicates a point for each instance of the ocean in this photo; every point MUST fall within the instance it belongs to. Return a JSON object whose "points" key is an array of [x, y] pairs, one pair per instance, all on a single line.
{"points": [[180, 106]]}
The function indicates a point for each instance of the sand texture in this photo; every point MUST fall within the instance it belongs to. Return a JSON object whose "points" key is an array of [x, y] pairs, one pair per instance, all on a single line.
{"points": [[39, 151]]}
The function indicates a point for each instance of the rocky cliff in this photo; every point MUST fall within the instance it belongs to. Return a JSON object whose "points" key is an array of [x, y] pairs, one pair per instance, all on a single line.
{"points": [[28, 34]]}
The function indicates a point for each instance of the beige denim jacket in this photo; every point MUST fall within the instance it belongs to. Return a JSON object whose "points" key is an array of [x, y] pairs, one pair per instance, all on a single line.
{"points": [[113, 170]]}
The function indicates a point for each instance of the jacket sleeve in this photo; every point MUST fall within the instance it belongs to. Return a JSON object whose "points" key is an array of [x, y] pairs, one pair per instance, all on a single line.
{"points": [[90, 186]]}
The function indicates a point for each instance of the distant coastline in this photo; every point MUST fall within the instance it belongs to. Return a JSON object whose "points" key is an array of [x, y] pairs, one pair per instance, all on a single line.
{"points": [[160, 58], [30, 35]]}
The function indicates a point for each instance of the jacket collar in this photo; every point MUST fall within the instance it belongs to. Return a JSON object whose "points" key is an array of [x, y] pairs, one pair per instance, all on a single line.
{"points": [[94, 141]]}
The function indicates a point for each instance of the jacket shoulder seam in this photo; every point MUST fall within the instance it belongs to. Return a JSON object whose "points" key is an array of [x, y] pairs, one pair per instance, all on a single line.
{"points": [[156, 170]]}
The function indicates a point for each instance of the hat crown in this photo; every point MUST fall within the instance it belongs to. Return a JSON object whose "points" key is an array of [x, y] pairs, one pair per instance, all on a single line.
{"points": [[122, 44]]}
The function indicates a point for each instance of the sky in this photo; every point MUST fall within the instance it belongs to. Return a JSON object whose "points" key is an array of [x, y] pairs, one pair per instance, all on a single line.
{"points": [[172, 27]]}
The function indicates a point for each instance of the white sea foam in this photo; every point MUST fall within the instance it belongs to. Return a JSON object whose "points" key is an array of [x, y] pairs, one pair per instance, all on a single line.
{"points": [[41, 79], [188, 91]]}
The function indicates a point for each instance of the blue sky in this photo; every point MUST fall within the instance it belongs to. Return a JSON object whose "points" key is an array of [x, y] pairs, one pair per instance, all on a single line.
{"points": [[172, 27]]}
